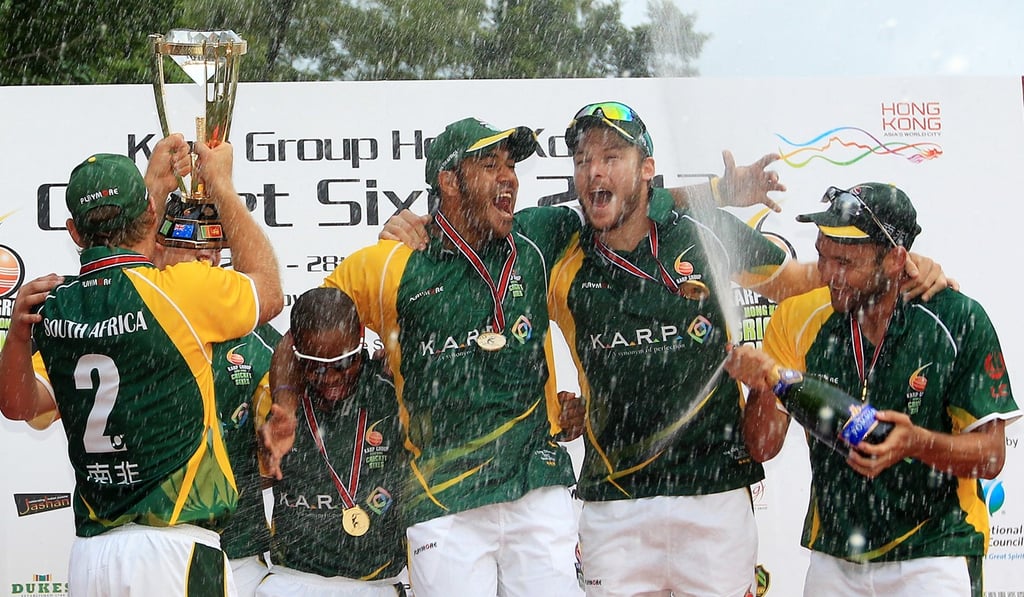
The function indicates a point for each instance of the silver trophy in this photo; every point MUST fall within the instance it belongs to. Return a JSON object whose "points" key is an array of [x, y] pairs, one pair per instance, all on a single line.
{"points": [[211, 60]]}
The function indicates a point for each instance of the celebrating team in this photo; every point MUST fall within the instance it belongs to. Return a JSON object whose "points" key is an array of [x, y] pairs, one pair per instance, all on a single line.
{"points": [[452, 453]]}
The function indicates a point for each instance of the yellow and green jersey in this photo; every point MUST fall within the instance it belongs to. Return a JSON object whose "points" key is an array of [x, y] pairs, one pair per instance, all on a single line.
{"points": [[942, 365], [363, 442], [128, 351], [242, 387], [478, 424], [662, 417]]}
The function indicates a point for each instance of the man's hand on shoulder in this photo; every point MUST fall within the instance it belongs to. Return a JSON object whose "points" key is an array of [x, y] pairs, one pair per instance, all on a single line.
{"points": [[407, 227]]}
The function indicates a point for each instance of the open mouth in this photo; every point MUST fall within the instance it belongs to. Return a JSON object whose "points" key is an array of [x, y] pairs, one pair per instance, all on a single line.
{"points": [[503, 202], [600, 198]]}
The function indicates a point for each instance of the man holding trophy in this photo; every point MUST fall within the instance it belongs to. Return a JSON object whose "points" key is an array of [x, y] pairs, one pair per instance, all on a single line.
{"points": [[125, 353]]}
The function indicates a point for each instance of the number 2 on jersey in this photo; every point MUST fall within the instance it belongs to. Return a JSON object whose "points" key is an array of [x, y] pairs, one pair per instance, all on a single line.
{"points": [[95, 439]]}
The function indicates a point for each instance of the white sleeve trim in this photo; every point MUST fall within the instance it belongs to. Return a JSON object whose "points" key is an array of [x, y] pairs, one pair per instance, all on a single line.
{"points": [[1009, 417]]}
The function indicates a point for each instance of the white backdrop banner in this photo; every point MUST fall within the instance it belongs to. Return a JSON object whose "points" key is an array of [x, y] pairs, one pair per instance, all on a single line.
{"points": [[323, 165]]}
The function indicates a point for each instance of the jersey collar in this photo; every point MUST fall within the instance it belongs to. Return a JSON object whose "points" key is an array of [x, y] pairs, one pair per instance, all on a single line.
{"points": [[97, 259]]}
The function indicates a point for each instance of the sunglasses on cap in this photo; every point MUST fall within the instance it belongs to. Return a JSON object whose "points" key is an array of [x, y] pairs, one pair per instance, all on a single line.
{"points": [[320, 365], [614, 114], [850, 205]]}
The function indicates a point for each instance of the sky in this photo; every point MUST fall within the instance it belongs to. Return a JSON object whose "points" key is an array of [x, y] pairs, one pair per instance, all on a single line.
{"points": [[810, 38]]}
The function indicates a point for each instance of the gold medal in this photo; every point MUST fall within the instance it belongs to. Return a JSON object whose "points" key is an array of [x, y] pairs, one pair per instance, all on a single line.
{"points": [[355, 521], [490, 341], [694, 290]]}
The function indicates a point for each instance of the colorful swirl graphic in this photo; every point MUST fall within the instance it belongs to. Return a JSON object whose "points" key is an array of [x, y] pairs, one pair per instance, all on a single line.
{"points": [[522, 329], [853, 144]]}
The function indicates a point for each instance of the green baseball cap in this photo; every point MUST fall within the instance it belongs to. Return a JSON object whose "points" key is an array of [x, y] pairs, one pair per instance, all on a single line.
{"points": [[615, 115], [106, 179], [471, 136], [869, 212]]}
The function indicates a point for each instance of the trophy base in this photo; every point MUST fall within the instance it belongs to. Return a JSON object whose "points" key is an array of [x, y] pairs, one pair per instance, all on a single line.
{"points": [[193, 245], [191, 225]]}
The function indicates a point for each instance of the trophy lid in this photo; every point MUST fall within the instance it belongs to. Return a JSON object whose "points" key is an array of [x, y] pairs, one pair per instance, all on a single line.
{"points": [[196, 51]]}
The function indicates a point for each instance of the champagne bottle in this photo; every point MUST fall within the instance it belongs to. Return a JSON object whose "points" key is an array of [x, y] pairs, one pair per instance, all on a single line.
{"points": [[829, 414]]}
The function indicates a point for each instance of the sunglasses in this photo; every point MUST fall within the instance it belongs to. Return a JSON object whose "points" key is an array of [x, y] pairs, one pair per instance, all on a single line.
{"points": [[850, 205], [320, 365], [612, 113]]}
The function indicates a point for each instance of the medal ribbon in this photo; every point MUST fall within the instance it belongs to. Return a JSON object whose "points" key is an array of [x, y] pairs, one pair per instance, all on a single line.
{"points": [[497, 290], [347, 494], [630, 268], [858, 356]]}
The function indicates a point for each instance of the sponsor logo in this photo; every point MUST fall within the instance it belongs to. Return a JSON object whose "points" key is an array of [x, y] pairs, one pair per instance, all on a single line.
{"points": [[37, 503], [993, 493], [379, 501], [548, 457], [522, 329], [41, 585], [700, 328], [916, 385], [911, 119], [639, 337], [97, 282], [233, 357], [423, 548], [846, 145], [682, 267], [515, 285], [757, 495], [12, 274], [428, 292], [376, 452], [240, 416], [995, 366], [237, 369], [99, 195], [12, 271]]}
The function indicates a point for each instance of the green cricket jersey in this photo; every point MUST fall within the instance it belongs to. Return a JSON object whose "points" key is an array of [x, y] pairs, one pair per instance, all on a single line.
{"points": [[478, 424], [242, 387], [128, 353], [942, 365], [662, 417], [363, 441]]}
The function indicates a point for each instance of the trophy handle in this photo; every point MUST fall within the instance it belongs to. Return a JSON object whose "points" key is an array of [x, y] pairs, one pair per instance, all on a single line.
{"points": [[221, 91], [159, 94]]}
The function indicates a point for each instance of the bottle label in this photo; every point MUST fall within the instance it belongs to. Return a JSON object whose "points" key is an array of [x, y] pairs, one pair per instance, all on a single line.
{"points": [[787, 377], [861, 422]]}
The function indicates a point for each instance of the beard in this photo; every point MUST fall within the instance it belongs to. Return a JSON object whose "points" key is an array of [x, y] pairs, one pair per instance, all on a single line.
{"points": [[630, 204]]}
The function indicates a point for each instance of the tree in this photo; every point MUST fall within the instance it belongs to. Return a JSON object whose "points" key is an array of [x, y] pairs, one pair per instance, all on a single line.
{"points": [[531, 39], [68, 42], [673, 44], [63, 42]]}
